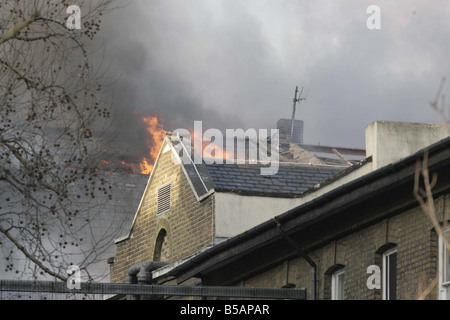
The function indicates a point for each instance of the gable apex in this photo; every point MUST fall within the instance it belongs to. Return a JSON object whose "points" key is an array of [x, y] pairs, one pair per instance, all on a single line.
{"points": [[198, 178], [163, 149]]}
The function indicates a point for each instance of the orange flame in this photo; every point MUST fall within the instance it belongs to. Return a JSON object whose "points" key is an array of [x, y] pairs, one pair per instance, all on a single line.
{"points": [[131, 166], [209, 148], [213, 151], [157, 134], [154, 128]]}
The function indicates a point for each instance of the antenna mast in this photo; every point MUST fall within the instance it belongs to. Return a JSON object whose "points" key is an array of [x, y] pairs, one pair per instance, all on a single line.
{"points": [[299, 99]]}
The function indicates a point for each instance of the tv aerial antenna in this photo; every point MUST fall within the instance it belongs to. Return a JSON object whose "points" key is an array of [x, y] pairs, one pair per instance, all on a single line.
{"points": [[296, 100]]}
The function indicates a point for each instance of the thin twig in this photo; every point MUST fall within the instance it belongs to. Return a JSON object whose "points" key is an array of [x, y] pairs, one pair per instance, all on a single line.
{"points": [[31, 256], [422, 295], [429, 209]]}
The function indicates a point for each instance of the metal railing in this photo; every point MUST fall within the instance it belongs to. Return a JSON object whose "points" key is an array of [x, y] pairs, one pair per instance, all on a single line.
{"points": [[109, 290]]}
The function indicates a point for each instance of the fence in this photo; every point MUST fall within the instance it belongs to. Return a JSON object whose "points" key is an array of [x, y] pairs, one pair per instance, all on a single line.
{"points": [[48, 290]]}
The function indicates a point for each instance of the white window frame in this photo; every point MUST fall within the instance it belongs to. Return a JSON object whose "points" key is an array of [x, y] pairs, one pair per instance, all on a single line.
{"points": [[170, 198], [385, 272], [444, 265], [337, 281]]}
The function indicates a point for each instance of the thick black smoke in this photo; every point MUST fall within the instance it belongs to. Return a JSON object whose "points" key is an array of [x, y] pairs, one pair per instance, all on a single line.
{"points": [[140, 87], [235, 64]]}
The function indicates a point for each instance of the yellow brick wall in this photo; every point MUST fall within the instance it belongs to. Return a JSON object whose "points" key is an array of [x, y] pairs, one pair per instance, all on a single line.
{"points": [[417, 255], [189, 223]]}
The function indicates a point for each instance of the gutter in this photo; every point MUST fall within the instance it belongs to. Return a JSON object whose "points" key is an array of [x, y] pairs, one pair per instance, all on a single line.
{"points": [[302, 254]]}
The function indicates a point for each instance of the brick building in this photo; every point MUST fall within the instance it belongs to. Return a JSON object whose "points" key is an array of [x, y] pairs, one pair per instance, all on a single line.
{"points": [[360, 235], [353, 233], [189, 208]]}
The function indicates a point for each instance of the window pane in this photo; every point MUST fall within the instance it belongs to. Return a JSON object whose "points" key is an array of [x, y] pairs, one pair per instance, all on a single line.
{"points": [[392, 275], [338, 285]]}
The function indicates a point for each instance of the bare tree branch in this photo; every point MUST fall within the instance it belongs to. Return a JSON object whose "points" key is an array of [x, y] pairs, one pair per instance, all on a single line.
{"points": [[52, 109], [31, 256], [12, 32], [425, 198]]}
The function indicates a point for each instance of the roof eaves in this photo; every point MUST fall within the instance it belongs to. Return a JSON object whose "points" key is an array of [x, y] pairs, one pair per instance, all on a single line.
{"points": [[257, 193]]}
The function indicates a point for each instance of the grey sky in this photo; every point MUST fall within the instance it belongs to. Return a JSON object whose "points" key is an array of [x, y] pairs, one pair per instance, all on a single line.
{"points": [[235, 64]]}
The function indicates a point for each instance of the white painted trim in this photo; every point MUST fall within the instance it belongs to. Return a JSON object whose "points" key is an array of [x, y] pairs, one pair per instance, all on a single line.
{"points": [[443, 286], [384, 271], [334, 278]]}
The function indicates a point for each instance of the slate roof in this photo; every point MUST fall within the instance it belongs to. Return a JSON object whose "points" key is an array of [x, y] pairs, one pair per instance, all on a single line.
{"points": [[289, 181]]}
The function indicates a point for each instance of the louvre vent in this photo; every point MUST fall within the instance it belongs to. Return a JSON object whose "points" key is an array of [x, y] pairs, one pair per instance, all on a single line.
{"points": [[164, 195]]}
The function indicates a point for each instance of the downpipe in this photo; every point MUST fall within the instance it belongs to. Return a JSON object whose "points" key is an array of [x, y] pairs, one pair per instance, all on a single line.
{"points": [[304, 255], [141, 273]]}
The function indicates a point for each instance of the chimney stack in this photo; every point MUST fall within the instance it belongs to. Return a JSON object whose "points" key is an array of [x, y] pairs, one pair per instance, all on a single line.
{"points": [[284, 125], [389, 141]]}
